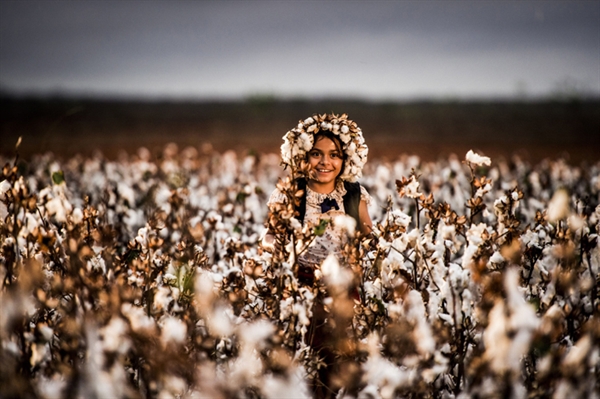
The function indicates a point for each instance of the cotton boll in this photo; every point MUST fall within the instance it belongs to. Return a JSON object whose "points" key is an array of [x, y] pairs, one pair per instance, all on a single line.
{"points": [[548, 295], [477, 159], [524, 316], [137, 317], [335, 276], [40, 352], [162, 297], [248, 367], [406, 240], [51, 388], [306, 141], [369, 392], [255, 334], [346, 223], [161, 197], [530, 238], [511, 325], [286, 308], [467, 303], [295, 224], [576, 222], [383, 374], [558, 208], [4, 187], [416, 313], [292, 386], [219, 323], [96, 264], [227, 209], [497, 258], [578, 352], [495, 338], [114, 336], [475, 232], [31, 223], [59, 208], [302, 313], [373, 289], [77, 216], [3, 212], [286, 149], [173, 387], [382, 176], [134, 218], [46, 332], [411, 190], [126, 193], [401, 219], [142, 236], [173, 331]]}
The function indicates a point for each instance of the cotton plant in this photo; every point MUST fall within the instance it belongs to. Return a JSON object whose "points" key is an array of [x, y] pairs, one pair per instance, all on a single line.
{"points": [[503, 236], [480, 279]]}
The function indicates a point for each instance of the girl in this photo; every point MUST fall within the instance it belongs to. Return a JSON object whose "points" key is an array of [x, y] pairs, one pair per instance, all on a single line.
{"points": [[326, 154]]}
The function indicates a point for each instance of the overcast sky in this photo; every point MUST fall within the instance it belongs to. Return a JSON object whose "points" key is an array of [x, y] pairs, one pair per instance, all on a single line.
{"points": [[230, 49]]}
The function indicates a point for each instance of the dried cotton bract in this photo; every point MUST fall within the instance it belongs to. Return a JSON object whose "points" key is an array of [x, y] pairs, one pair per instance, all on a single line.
{"points": [[408, 187]]}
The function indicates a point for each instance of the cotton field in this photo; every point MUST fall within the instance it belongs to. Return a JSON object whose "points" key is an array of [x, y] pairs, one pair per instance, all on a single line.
{"points": [[145, 277]]}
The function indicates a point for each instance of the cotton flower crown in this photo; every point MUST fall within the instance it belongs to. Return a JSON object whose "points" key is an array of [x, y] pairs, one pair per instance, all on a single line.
{"points": [[298, 141]]}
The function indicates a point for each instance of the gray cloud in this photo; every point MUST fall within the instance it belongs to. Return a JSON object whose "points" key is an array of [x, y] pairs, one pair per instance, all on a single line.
{"points": [[230, 49]]}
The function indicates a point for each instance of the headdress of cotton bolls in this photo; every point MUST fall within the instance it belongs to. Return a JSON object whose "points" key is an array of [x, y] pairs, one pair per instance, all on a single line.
{"points": [[298, 141]]}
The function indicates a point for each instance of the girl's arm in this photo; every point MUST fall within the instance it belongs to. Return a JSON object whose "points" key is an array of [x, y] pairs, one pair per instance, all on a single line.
{"points": [[366, 225]]}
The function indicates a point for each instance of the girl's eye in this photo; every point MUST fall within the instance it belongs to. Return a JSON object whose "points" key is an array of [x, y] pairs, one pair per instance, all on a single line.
{"points": [[335, 155], [314, 154]]}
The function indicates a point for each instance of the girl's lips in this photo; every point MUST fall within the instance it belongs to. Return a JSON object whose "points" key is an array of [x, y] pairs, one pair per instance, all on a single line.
{"points": [[324, 172]]}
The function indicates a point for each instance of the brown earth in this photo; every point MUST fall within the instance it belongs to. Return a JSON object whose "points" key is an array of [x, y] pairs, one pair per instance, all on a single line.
{"points": [[534, 130]]}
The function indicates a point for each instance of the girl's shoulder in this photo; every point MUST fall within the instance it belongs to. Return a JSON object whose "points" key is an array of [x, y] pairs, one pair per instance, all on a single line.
{"points": [[277, 197], [364, 195], [358, 189]]}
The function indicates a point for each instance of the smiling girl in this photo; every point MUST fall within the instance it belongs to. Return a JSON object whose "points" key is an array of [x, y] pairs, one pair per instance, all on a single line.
{"points": [[326, 154]]}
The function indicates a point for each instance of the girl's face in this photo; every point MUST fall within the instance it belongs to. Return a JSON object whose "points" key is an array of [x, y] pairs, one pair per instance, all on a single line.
{"points": [[326, 162]]}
